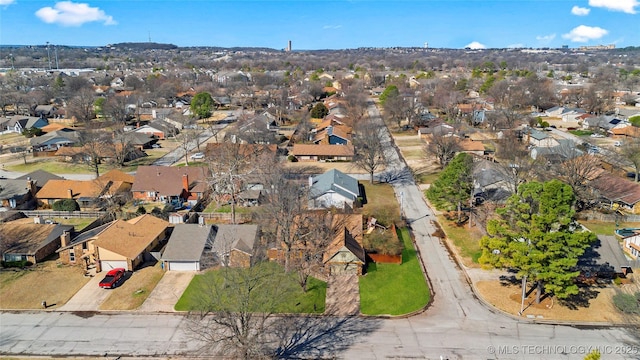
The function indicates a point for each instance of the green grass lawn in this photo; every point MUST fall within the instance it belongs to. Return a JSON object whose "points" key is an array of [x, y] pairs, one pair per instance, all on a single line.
{"points": [[55, 167], [395, 289], [466, 240], [78, 223], [312, 301], [381, 202], [427, 178], [606, 227]]}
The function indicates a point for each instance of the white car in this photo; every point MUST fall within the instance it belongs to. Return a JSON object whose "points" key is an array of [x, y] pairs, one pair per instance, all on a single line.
{"points": [[197, 156]]}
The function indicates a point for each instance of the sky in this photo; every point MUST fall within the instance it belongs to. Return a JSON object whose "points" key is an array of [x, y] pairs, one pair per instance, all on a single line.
{"points": [[313, 25]]}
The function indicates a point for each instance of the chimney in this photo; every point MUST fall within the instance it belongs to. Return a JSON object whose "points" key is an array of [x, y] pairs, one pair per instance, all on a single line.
{"points": [[31, 186], [185, 183], [310, 181], [65, 238], [70, 193]]}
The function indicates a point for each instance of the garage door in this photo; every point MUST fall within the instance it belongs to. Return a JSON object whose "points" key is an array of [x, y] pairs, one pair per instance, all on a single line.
{"points": [[107, 265], [183, 265]]}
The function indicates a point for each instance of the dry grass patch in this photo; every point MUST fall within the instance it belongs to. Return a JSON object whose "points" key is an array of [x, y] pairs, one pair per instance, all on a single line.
{"points": [[55, 284], [607, 227], [135, 290], [508, 298], [466, 240]]}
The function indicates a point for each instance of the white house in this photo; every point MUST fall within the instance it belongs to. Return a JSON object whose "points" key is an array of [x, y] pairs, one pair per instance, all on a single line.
{"points": [[332, 189], [632, 245]]}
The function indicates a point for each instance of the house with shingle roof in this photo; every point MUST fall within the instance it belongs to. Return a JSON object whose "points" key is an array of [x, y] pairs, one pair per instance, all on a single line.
{"points": [[345, 253], [333, 189], [170, 184], [332, 135], [39, 178], [616, 190], [194, 247], [88, 193], [27, 240], [54, 140], [128, 244], [313, 152], [17, 194]]}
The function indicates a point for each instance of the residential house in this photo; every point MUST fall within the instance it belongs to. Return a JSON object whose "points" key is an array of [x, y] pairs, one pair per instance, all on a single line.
{"points": [[322, 153], [45, 111], [627, 132], [39, 178], [17, 194], [78, 249], [632, 245], [618, 192], [331, 135], [333, 189], [27, 240], [51, 142], [88, 193], [539, 138], [128, 244], [345, 254], [169, 184], [563, 150], [159, 129], [491, 183], [18, 124], [186, 245], [472, 147]]}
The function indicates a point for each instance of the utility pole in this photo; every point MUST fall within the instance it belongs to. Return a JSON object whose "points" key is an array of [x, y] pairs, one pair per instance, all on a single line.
{"points": [[11, 57], [55, 50], [48, 55]]}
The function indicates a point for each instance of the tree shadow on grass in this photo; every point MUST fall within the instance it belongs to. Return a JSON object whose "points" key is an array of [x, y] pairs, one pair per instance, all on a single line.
{"points": [[582, 298]]}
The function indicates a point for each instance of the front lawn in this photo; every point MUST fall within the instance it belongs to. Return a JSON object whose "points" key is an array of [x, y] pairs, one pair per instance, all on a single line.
{"points": [[46, 281], [78, 223], [381, 203], [312, 301], [135, 290], [581, 132], [395, 289], [467, 241]]}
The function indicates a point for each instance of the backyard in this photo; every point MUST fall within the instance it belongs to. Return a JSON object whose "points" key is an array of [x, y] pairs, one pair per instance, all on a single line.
{"points": [[395, 289]]}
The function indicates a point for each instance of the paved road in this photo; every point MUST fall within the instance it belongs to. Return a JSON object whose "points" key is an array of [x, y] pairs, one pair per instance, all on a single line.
{"points": [[456, 326]]}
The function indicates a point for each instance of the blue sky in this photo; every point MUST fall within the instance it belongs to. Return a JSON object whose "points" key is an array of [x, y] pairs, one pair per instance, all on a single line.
{"points": [[323, 24]]}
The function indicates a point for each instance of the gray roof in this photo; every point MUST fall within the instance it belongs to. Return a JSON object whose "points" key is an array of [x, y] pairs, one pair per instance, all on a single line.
{"points": [[86, 235], [187, 242], [40, 177], [62, 136], [10, 189], [334, 181], [235, 237]]}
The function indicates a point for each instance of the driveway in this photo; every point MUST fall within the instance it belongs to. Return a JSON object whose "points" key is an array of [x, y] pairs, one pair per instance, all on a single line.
{"points": [[165, 295], [89, 297]]}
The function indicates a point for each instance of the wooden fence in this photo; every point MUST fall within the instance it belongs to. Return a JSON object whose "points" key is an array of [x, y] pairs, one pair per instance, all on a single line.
{"points": [[62, 214], [241, 218]]}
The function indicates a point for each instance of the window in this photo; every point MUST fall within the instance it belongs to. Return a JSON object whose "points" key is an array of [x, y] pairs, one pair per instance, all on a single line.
{"points": [[84, 246], [72, 256]]}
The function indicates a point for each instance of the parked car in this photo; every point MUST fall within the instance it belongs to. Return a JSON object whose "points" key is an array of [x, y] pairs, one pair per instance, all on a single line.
{"points": [[156, 146], [197, 156], [112, 278], [617, 143]]}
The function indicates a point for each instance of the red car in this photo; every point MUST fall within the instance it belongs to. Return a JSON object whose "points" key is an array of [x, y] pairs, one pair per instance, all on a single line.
{"points": [[112, 278]]}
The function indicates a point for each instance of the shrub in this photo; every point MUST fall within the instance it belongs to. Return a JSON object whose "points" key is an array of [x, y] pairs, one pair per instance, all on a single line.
{"points": [[141, 210], [292, 158], [382, 242], [627, 303], [65, 205], [16, 264]]}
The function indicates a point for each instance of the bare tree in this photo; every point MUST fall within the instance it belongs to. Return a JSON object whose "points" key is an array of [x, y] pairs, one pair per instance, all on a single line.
{"points": [[630, 150], [443, 146], [116, 107], [81, 106], [232, 165], [234, 311], [369, 152], [95, 146]]}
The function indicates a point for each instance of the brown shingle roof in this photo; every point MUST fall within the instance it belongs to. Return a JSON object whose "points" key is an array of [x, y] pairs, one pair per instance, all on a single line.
{"points": [[58, 189], [614, 188], [130, 238], [322, 150], [167, 180]]}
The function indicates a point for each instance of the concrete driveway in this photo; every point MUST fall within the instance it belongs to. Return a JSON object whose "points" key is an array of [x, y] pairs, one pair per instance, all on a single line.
{"points": [[165, 295], [89, 297]]}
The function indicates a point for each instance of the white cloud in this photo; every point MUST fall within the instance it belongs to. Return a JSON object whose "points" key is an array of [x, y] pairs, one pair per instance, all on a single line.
{"points": [[546, 38], [580, 11], [515, 46], [7, 2], [68, 13], [475, 45], [627, 6], [332, 27], [585, 33]]}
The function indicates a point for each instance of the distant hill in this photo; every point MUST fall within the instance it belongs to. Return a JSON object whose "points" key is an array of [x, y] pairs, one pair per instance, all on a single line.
{"points": [[144, 46]]}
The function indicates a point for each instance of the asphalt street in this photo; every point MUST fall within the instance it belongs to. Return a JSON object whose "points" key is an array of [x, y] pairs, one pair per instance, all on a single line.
{"points": [[456, 325]]}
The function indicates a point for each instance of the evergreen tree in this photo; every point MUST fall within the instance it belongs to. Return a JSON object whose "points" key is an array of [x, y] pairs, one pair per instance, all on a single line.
{"points": [[536, 234], [453, 186]]}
